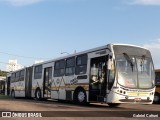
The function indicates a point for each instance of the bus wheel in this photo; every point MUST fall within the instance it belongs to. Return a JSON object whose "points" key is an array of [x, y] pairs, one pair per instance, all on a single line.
{"points": [[38, 94], [13, 94], [156, 99], [113, 104], [80, 97]]}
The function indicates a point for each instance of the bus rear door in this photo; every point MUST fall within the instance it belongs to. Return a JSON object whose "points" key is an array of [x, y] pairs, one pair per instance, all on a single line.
{"points": [[47, 82]]}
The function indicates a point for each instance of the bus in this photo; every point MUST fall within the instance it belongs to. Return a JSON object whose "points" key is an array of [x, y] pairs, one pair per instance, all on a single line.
{"points": [[111, 74], [157, 91]]}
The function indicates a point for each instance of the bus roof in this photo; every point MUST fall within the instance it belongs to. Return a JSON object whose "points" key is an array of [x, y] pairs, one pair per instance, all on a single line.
{"points": [[87, 51], [8, 74], [130, 45], [74, 54]]}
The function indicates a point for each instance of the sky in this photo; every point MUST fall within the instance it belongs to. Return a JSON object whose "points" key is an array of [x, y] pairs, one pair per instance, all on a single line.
{"points": [[42, 29]]}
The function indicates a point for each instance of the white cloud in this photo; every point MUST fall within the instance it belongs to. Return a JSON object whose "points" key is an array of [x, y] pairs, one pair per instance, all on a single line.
{"points": [[20, 2], [145, 2], [154, 47]]}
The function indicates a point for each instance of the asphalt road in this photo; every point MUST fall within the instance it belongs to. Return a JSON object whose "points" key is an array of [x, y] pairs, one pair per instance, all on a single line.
{"points": [[67, 111]]}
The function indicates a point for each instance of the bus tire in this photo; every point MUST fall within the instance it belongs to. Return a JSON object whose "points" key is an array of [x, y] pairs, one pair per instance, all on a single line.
{"points": [[156, 99], [38, 94], [80, 97], [114, 104]]}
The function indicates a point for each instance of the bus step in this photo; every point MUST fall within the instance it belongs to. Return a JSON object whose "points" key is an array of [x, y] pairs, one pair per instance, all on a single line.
{"points": [[100, 99]]}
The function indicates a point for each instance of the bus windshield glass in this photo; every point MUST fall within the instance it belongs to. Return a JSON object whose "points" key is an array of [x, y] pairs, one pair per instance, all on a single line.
{"points": [[134, 67]]}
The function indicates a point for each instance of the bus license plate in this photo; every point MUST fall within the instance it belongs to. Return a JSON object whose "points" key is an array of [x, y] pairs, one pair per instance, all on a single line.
{"points": [[137, 99]]}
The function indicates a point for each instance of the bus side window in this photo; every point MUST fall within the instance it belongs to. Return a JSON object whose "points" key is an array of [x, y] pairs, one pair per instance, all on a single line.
{"points": [[70, 66], [13, 78], [17, 76], [21, 75], [111, 77], [38, 72], [59, 68], [81, 64]]}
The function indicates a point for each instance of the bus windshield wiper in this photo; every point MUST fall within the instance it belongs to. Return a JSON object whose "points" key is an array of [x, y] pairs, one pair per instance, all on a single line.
{"points": [[142, 62], [129, 60]]}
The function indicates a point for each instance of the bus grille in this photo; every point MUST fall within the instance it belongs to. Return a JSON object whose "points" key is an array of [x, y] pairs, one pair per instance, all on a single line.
{"points": [[138, 94]]}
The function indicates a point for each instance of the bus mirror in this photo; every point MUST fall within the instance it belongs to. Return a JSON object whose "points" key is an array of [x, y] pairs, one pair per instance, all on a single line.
{"points": [[109, 64]]}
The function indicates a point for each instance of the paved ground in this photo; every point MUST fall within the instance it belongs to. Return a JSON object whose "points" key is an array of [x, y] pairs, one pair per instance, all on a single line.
{"points": [[69, 111]]}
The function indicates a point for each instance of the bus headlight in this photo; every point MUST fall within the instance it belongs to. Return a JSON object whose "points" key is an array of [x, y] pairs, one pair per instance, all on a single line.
{"points": [[121, 92], [152, 93], [126, 97]]}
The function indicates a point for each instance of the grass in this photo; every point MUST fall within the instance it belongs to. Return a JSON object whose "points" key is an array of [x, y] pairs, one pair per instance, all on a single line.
{"points": [[4, 97]]}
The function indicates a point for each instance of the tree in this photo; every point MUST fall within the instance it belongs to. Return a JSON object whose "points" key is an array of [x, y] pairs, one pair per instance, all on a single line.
{"points": [[3, 73]]}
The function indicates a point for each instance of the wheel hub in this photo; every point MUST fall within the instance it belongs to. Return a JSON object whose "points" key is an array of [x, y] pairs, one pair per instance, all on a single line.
{"points": [[38, 94], [81, 96]]}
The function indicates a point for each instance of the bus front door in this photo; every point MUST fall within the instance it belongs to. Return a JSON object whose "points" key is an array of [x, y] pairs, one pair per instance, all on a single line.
{"points": [[98, 79], [28, 82], [47, 82]]}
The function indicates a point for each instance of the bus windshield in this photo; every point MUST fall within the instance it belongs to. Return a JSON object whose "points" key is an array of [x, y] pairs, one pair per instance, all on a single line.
{"points": [[134, 67]]}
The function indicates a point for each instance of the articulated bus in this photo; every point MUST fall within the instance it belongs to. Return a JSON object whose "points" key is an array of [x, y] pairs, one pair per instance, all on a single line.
{"points": [[157, 92], [111, 74]]}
